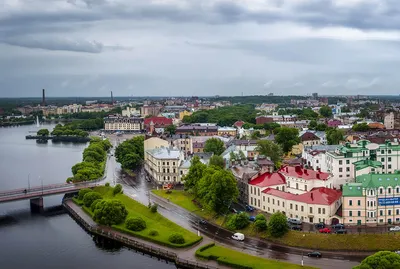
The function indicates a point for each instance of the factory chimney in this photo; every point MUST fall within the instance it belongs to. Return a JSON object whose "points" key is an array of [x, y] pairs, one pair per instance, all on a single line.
{"points": [[43, 98], [112, 98]]}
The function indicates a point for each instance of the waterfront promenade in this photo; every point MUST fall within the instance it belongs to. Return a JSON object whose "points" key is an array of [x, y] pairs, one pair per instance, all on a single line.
{"points": [[182, 257]]}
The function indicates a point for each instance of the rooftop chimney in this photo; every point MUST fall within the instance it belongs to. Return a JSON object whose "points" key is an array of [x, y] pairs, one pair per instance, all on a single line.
{"points": [[43, 98]]}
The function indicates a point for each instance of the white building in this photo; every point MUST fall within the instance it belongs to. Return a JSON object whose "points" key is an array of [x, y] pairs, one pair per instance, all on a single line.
{"points": [[130, 112], [118, 123], [315, 157], [162, 164]]}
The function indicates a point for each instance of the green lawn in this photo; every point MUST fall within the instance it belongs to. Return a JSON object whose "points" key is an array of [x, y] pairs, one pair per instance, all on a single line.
{"points": [[359, 242], [234, 258], [154, 221]]}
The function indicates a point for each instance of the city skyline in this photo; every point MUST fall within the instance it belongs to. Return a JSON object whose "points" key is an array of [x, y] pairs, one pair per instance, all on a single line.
{"points": [[183, 48]]}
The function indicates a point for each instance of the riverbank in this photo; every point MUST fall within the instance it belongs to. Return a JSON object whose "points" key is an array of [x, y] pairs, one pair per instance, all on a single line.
{"points": [[74, 139]]}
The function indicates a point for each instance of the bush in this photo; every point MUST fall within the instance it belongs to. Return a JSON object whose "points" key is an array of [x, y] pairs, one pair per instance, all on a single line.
{"points": [[90, 197], [260, 217], [135, 224], [93, 206], [70, 180], [238, 221], [154, 208], [82, 193], [153, 233], [110, 212], [117, 189], [176, 238], [260, 225], [277, 226], [108, 184]]}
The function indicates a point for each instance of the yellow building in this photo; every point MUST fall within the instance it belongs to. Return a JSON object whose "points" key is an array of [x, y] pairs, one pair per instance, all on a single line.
{"points": [[184, 113]]}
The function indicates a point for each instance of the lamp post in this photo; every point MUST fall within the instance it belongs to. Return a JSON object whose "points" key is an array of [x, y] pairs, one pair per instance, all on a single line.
{"points": [[41, 179], [302, 255]]}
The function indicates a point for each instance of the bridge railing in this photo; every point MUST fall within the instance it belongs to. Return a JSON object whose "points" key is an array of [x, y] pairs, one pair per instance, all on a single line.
{"points": [[48, 187]]}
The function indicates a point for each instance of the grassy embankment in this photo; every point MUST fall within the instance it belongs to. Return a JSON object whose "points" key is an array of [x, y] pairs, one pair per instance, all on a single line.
{"points": [[235, 259], [317, 241], [154, 221]]}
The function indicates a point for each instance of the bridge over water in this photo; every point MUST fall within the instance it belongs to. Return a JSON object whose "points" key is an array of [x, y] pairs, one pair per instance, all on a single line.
{"points": [[36, 194]]}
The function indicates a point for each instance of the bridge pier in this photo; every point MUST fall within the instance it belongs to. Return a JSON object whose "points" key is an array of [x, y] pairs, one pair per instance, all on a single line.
{"points": [[36, 205]]}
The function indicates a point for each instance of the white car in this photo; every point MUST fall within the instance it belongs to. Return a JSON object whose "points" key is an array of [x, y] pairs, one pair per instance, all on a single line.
{"points": [[238, 236], [395, 229]]}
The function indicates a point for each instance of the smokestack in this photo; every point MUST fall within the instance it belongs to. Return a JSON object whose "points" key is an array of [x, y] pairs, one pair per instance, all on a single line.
{"points": [[43, 98], [112, 98]]}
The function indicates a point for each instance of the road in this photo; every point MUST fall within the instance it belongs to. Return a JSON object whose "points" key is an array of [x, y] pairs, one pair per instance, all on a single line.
{"points": [[138, 188]]}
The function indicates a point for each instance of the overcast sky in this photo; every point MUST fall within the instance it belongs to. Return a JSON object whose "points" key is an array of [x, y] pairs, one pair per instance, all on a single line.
{"points": [[198, 47]]}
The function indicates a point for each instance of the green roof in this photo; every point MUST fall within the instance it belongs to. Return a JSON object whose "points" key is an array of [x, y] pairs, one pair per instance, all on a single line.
{"points": [[379, 180], [367, 163], [352, 189]]}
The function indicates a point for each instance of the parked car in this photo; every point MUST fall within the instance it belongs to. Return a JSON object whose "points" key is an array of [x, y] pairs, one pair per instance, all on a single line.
{"points": [[238, 236], [325, 231], [338, 226], [295, 221], [203, 222], [395, 229], [397, 252], [252, 218], [341, 231], [315, 254], [249, 208], [296, 228], [320, 225]]}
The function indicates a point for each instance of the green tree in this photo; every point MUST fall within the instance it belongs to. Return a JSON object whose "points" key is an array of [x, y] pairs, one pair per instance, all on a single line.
{"points": [[325, 111], [135, 224], [256, 134], [381, 260], [170, 129], [196, 172], [271, 150], [361, 127], [287, 138], [238, 221], [130, 153], [217, 161], [215, 146], [117, 189], [217, 189], [312, 125], [334, 136], [364, 113], [261, 225], [90, 197], [232, 156], [43, 132], [321, 127], [345, 109], [82, 193], [241, 155], [278, 226], [110, 212]]}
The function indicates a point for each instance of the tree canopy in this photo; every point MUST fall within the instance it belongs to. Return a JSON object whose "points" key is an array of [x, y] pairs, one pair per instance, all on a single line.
{"points": [[214, 145], [170, 129], [196, 171], [334, 136], [381, 260], [130, 153], [361, 127], [110, 212], [43, 132], [325, 111], [217, 161], [287, 138], [277, 226], [271, 150]]}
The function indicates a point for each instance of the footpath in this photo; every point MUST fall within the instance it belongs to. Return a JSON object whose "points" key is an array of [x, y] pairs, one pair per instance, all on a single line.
{"points": [[183, 257]]}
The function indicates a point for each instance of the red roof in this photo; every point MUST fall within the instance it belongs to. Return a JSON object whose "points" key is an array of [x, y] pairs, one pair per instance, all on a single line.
{"points": [[307, 136], [299, 172], [268, 179], [318, 196], [158, 121], [239, 123]]}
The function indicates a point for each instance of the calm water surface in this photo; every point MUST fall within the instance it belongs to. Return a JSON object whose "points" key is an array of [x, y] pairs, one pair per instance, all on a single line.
{"points": [[35, 241]]}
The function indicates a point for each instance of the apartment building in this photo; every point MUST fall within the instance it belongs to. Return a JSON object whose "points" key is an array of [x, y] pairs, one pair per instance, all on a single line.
{"points": [[118, 123], [342, 162], [372, 199], [314, 157], [297, 192], [227, 131], [162, 164], [198, 130]]}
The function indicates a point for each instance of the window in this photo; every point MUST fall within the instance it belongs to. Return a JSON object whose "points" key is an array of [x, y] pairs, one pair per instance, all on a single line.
{"points": [[263, 198], [382, 151], [350, 202], [380, 212], [380, 191], [163, 170], [397, 211], [258, 192], [389, 190], [359, 202], [258, 202], [359, 213], [323, 210], [163, 163], [297, 186], [397, 190], [389, 151], [319, 210], [389, 212], [173, 163], [167, 163], [340, 162], [340, 169], [310, 210], [273, 201], [283, 204], [297, 208], [278, 202], [382, 159], [347, 161], [302, 208], [347, 169], [268, 199], [389, 159], [291, 206], [251, 190], [389, 166], [305, 187], [350, 213]]}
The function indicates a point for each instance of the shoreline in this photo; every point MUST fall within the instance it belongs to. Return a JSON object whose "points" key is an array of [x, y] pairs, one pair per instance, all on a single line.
{"points": [[170, 255]]}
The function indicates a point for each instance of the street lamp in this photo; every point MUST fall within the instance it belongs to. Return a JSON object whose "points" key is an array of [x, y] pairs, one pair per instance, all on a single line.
{"points": [[302, 254], [41, 179]]}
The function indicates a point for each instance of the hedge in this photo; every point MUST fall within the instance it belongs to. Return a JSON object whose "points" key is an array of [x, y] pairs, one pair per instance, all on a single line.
{"points": [[77, 201]]}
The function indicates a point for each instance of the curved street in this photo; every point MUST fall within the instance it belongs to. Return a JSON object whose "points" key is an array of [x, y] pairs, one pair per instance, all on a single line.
{"points": [[138, 188]]}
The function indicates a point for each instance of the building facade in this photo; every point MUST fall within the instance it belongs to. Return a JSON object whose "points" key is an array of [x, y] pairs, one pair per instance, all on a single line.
{"points": [[227, 131], [198, 130], [118, 123], [372, 200]]}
